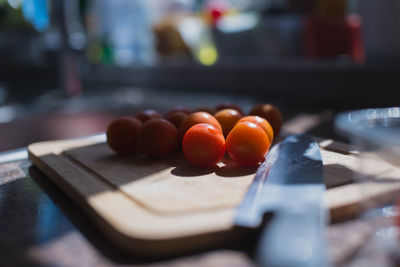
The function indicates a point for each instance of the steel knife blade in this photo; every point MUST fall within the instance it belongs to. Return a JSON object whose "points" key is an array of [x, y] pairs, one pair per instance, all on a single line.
{"points": [[289, 184]]}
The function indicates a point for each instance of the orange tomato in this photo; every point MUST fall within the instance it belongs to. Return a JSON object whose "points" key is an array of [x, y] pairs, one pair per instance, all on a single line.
{"points": [[196, 118], [148, 114], [271, 114], [261, 122], [203, 145], [122, 135], [227, 118], [247, 144], [158, 138]]}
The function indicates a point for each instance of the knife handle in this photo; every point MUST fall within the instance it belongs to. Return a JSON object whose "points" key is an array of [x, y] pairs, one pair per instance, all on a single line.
{"points": [[294, 236]]}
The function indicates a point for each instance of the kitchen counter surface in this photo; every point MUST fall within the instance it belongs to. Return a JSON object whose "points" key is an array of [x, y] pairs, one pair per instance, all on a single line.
{"points": [[40, 226]]}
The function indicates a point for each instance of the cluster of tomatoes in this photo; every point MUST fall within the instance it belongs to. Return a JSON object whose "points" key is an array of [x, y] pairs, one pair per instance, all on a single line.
{"points": [[203, 138]]}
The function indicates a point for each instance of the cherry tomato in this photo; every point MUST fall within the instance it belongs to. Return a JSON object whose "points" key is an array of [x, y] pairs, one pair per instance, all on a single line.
{"points": [[176, 118], [227, 118], [206, 109], [196, 118], [231, 105], [178, 109], [271, 114], [203, 145], [122, 135], [261, 122], [148, 114], [247, 144], [158, 138]]}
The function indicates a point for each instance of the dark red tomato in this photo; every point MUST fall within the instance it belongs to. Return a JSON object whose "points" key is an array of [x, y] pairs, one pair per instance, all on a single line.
{"points": [[231, 105], [247, 143], [176, 118], [148, 114], [203, 145], [178, 109], [122, 135], [158, 138]]}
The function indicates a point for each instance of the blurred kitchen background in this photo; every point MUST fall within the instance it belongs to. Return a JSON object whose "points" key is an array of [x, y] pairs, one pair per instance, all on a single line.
{"points": [[67, 67]]}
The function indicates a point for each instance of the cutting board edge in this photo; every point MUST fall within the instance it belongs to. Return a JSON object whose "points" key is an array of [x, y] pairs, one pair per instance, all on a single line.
{"points": [[132, 244]]}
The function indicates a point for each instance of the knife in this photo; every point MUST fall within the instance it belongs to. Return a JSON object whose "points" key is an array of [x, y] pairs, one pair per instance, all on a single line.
{"points": [[289, 184]]}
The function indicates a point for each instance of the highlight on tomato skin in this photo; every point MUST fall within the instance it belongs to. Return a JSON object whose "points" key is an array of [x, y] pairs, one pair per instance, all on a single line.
{"points": [[148, 114], [196, 118], [210, 110], [271, 114], [227, 118], [158, 138], [122, 135], [203, 145], [225, 105], [261, 122], [247, 144]]}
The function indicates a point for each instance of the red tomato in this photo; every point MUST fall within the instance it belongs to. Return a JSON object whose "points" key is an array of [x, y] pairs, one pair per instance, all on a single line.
{"points": [[148, 114], [158, 138], [122, 135], [203, 145], [196, 118], [247, 144]]}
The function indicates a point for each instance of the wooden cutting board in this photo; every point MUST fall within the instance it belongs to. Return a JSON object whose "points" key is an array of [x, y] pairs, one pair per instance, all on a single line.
{"points": [[164, 207]]}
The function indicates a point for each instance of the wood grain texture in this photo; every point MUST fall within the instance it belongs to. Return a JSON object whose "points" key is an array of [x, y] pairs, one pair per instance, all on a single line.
{"points": [[167, 206]]}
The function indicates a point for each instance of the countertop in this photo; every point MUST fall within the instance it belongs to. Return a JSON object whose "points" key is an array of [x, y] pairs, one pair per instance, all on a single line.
{"points": [[40, 226]]}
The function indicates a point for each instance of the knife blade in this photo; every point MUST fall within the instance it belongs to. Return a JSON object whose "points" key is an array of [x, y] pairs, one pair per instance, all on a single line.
{"points": [[289, 184]]}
